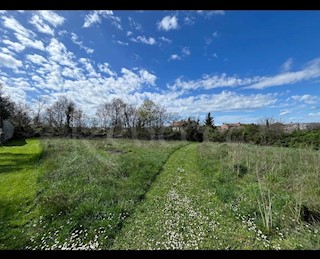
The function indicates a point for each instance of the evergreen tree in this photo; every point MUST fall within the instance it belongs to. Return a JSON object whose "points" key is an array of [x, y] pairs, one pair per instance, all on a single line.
{"points": [[209, 120]]}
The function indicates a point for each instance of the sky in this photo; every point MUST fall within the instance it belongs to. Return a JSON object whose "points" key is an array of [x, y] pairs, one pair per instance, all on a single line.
{"points": [[241, 66]]}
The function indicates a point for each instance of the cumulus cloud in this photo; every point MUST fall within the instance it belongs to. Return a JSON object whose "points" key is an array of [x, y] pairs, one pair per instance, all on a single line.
{"points": [[52, 17], [9, 61], [15, 46], [14, 25], [40, 25], [36, 59], [24, 35], [168, 23], [59, 53], [105, 67]]}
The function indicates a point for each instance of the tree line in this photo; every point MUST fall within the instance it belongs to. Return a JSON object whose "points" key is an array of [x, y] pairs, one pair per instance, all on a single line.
{"points": [[119, 119]]}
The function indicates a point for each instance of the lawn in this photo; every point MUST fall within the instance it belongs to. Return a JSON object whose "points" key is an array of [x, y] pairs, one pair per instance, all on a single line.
{"points": [[18, 185]]}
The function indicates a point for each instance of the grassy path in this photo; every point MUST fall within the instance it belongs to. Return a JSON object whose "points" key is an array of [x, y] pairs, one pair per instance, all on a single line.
{"points": [[18, 185], [181, 213]]}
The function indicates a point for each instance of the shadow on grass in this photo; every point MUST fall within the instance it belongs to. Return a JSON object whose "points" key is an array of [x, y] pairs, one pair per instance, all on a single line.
{"points": [[16, 162], [15, 143]]}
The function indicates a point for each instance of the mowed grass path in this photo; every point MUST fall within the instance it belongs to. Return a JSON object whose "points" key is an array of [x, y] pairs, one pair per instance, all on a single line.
{"points": [[18, 185], [180, 212]]}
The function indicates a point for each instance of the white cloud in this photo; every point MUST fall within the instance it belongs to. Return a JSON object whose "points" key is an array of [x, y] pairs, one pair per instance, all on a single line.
{"points": [[168, 23], [311, 114], [74, 38], [89, 67], [8, 51], [129, 33], [134, 25], [209, 40], [40, 25], [311, 71], [26, 42], [36, 59], [224, 101], [59, 53], [174, 57], [286, 66], [209, 82], [8, 61], [189, 20], [52, 17], [96, 17], [164, 39], [147, 77], [284, 112], [92, 18], [22, 34], [143, 39], [14, 25], [15, 46], [186, 51], [209, 14], [306, 98], [105, 67], [121, 43]]}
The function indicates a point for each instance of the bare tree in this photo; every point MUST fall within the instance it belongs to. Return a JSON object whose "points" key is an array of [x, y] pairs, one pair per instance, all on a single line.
{"points": [[39, 106]]}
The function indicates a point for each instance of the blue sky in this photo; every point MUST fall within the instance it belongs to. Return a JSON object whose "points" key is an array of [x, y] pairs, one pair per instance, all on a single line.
{"points": [[241, 66]]}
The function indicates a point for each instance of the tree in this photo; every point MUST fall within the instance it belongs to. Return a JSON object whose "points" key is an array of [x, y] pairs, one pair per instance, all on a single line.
{"points": [[69, 111], [21, 120], [209, 120], [40, 103], [6, 107]]}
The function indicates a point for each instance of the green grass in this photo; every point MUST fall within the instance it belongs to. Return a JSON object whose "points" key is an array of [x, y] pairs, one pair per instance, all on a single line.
{"points": [[89, 188], [216, 196], [18, 185], [128, 194], [180, 212]]}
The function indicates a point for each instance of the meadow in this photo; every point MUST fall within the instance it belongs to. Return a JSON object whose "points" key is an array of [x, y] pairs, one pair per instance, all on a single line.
{"points": [[133, 194]]}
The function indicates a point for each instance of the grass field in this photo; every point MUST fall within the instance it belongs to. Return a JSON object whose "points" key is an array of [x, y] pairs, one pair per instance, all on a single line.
{"points": [[18, 185], [126, 194]]}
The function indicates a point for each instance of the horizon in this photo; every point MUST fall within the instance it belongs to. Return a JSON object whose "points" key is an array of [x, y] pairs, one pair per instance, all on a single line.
{"points": [[241, 66]]}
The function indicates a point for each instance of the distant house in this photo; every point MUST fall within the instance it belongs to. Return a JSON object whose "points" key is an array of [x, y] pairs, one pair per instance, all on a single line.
{"points": [[288, 128], [228, 126], [177, 125], [6, 131]]}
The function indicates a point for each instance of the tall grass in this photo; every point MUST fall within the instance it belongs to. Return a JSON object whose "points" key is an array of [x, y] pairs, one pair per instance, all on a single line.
{"points": [[276, 184]]}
